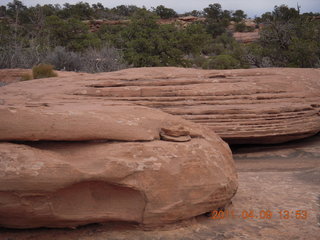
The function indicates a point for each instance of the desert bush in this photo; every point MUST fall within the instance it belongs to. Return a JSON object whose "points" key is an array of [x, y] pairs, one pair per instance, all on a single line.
{"points": [[198, 61], [57, 35], [238, 16], [148, 44], [240, 27], [43, 71], [290, 39], [164, 12], [217, 19], [254, 55], [18, 57], [106, 59], [71, 33], [251, 28], [62, 59], [26, 77], [222, 62], [93, 60]]}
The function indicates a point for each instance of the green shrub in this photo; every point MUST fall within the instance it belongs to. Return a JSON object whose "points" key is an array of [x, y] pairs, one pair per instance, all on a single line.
{"points": [[199, 61], [164, 12], [26, 77], [222, 62], [43, 71], [250, 28], [240, 27]]}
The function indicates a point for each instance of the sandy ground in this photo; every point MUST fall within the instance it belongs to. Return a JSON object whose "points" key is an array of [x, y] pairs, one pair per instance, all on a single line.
{"points": [[282, 179]]}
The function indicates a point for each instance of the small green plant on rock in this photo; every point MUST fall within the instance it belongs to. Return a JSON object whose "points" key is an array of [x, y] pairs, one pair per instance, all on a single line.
{"points": [[26, 77], [43, 71], [222, 62]]}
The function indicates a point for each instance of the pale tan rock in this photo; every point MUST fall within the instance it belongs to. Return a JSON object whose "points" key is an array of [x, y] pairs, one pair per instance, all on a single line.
{"points": [[137, 178]]}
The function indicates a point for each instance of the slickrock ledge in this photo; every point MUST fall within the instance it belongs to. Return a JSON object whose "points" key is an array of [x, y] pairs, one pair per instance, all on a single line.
{"points": [[243, 106], [76, 164], [271, 105]]}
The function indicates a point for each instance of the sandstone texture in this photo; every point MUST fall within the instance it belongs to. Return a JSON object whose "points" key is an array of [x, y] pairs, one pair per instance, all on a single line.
{"points": [[277, 178], [12, 75], [247, 37], [270, 105], [69, 164]]}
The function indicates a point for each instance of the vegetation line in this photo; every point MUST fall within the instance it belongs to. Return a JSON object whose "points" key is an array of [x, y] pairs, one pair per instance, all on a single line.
{"points": [[63, 36]]}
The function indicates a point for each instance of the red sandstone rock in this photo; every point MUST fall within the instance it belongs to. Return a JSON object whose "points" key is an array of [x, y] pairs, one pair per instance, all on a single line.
{"points": [[12, 75], [79, 122], [285, 176], [270, 105], [247, 37], [138, 170]]}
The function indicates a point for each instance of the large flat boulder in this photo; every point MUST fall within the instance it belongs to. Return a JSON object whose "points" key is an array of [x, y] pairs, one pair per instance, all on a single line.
{"points": [[242, 106], [282, 177], [271, 105], [71, 164], [84, 122]]}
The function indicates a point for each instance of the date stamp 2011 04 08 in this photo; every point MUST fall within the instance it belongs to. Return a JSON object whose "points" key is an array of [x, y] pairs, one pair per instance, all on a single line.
{"points": [[262, 214]]}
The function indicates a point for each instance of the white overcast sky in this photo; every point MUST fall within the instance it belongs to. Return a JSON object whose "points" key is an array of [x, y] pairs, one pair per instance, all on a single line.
{"points": [[251, 7]]}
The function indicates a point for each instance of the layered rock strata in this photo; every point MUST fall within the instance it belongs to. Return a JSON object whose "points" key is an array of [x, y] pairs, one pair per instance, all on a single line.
{"points": [[265, 106]]}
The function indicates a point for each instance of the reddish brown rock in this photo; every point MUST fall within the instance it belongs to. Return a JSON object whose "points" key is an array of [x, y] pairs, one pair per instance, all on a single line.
{"points": [[12, 75], [270, 105], [247, 37], [79, 122], [274, 178], [127, 171]]}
